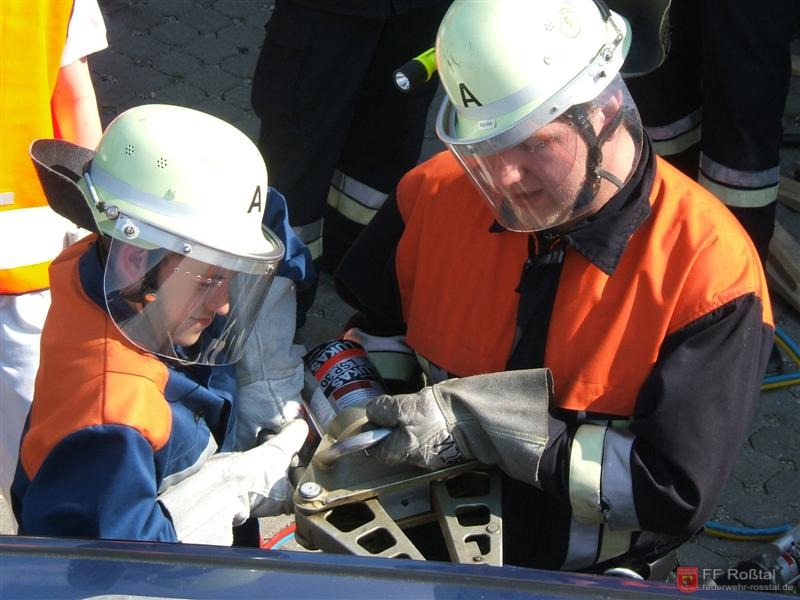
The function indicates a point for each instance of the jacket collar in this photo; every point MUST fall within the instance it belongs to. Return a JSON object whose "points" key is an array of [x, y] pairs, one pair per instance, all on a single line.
{"points": [[91, 270]]}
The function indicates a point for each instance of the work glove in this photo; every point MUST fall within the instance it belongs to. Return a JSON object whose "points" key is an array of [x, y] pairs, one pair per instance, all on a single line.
{"points": [[270, 373], [232, 487], [497, 419]]}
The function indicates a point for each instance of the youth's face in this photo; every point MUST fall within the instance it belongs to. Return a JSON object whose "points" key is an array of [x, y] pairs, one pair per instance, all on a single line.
{"points": [[190, 294]]}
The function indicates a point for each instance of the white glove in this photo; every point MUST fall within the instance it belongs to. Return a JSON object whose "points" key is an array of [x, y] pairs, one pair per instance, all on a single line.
{"points": [[232, 487], [270, 373]]}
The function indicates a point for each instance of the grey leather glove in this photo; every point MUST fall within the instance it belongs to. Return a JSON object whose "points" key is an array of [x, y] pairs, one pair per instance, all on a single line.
{"points": [[232, 487], [497, 419], [270, 373]]}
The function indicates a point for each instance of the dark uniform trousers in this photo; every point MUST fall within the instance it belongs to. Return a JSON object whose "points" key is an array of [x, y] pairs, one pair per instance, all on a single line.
{"points": [[329, 109], [721, 92]]}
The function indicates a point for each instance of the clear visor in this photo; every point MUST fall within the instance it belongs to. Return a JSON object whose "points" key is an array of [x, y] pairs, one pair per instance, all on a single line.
{"points": [[532, 184], [539, 178], [182, 300]]}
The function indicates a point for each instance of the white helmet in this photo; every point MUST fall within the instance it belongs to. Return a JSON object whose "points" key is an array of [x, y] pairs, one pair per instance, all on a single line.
{"points": [[512, 67], [182, 194]]}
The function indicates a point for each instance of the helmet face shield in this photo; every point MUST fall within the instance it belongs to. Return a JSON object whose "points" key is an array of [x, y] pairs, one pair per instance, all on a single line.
{"points": [[532, 184], [537, 176], [514, 74], [533, 179], [179, 299]]}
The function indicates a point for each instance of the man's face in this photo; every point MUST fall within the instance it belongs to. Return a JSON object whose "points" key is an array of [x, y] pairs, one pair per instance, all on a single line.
{"points": [[542, 176], [190, 294]]}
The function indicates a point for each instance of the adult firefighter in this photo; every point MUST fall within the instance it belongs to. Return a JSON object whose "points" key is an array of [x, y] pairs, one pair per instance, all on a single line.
{"points": [[136, 401], [550, 238]]}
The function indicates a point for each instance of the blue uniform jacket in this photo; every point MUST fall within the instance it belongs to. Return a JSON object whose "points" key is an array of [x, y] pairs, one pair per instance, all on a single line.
{"points": [[112, 426]]}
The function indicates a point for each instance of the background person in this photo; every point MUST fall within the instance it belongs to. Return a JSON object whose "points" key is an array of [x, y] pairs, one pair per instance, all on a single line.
{"points": [[714, 107], [46, 91], [336, 133]]}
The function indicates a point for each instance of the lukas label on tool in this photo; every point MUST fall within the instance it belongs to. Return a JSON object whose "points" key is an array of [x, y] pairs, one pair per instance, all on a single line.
{"points": [[346, 376]]}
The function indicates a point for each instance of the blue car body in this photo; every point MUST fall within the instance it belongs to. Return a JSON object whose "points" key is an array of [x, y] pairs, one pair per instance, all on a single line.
{"points": [[67, 568]]}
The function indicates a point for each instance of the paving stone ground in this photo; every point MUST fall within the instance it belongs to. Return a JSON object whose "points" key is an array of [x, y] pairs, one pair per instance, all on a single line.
{"points": [[202, 54]]}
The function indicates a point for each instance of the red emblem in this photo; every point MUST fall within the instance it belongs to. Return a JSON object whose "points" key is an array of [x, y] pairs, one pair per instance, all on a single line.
{"points": [[687, 579]]}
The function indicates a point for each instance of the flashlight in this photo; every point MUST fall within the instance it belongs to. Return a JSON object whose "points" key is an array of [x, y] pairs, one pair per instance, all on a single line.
{"points": [[416, 71]]}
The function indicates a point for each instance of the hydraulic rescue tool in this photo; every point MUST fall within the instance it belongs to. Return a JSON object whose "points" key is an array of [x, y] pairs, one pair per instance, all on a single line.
{"points": [[347, 502]]}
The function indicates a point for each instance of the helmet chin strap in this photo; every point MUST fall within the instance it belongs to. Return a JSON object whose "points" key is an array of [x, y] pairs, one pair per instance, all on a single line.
{"points": [[594, 156]]}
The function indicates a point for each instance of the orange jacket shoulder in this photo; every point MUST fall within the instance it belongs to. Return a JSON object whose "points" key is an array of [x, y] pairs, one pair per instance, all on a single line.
{"points": [[90, 374]]}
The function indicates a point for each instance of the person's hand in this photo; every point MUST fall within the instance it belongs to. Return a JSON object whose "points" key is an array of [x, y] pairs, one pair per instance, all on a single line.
{"points": [[271, 490], [496, 419], [422, 437], [232, 487], [267, 406]]}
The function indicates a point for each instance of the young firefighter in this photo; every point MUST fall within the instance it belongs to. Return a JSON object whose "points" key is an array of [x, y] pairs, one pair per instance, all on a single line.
{"points": [[135, 402], [551, 236]]}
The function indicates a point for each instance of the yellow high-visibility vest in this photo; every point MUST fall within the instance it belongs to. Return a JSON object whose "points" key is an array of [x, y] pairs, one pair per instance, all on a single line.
{"points": [[31, 42]]}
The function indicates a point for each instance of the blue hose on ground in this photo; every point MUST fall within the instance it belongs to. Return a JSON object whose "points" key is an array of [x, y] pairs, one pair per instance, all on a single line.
{"points": [[794, 349], [750, 534], [790, 347]]}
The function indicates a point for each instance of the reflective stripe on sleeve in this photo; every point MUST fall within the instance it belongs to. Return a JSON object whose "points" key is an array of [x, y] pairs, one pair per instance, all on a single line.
{"points": [[614, 543], [616, 482], [208, 452], [585, 468], [590, 544], [315, 249], [434, 373], [393, 358], [358, 191], [677, 145], [582, 549], [395, 365], [600, 468]]}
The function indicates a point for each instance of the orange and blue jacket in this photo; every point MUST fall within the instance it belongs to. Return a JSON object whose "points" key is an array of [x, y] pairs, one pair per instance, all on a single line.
{"points": [[653, 316], [111, 426]]}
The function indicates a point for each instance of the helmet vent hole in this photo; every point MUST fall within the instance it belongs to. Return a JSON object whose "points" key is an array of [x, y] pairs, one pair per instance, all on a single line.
{"points": [[161, 163], [129, 150]]}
